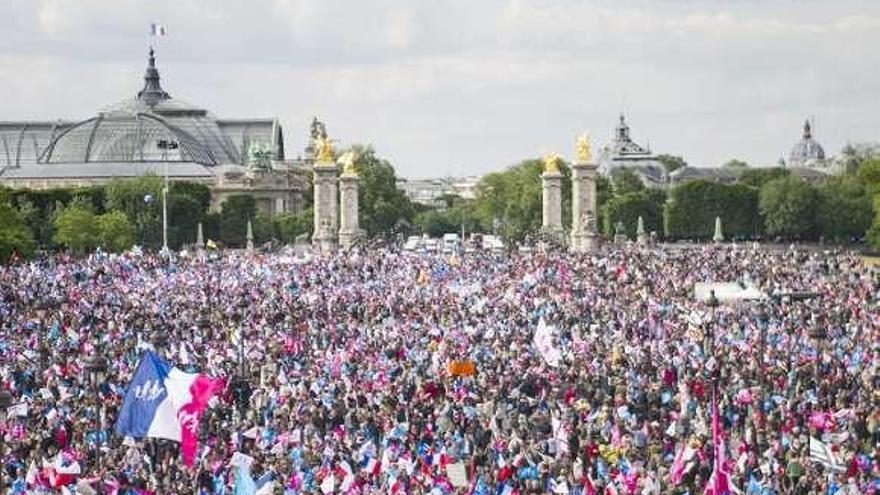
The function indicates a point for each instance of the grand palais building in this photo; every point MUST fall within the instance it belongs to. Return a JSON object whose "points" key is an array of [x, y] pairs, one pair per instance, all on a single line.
{"points": [[149, 134]]}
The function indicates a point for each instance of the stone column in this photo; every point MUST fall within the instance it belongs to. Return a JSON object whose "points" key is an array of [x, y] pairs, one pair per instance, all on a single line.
{"points": [[641, 236], [349, 229], [249, 237], [326, 206], [584, 233], [552, 202]]}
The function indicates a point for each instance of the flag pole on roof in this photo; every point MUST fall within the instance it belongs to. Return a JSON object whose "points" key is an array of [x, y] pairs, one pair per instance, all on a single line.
{"points": [[156, 30]]}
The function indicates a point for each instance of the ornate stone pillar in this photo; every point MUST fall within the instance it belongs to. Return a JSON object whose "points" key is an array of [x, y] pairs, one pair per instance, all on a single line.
{"points": [[584, 233], [552, 201], [326, 205], [349, 229]]}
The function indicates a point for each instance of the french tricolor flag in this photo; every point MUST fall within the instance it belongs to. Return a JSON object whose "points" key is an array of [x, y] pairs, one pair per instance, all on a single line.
{"points": [[165, 402], [157, 29]]}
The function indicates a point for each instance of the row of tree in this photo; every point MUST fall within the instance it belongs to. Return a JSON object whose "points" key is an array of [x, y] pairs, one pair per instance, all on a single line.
{"points": [[765, 203]]}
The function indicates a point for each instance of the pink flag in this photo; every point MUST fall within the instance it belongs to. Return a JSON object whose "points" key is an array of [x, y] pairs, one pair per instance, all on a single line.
{"points": [[718, 482]]}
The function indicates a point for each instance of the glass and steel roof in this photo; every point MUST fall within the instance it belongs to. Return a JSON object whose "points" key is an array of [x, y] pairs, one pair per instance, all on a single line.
{"points": [[131, 131]]}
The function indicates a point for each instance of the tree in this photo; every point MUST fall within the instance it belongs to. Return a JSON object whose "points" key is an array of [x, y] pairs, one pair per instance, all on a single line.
{"points": [[757, 177], [844, 209], [382, 204], [435, 223], [853, 156], [115, 231], [234, 215], [734, 163], [869, 174], [628, 208], [15, 237], [76, 228], [692, 207], [626, 181], [513, 199], [292, 225], [788, 205], [671, 162], [140, 199]]}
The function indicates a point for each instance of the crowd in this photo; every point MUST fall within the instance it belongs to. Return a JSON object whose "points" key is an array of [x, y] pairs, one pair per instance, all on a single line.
{"points": [[388, 372]]}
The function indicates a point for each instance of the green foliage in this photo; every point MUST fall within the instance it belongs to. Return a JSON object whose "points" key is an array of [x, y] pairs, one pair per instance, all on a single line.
{"points": [[854, 156], [628, 208], [15, 236], [292, 225], [382, 204], [869, 174], [789, 205], [844, 209], [265, 229], [115, 231], [692, 207], [671, 162], [234, 214], [141, 200], [626, 181], [514, 198], [76, 228], [734, 163], [435, 223], [757, 177]]}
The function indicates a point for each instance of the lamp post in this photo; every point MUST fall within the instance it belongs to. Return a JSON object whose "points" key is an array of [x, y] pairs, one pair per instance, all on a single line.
{"points": [[240, 385], [165, 145], [712, 303], [96, 369]]}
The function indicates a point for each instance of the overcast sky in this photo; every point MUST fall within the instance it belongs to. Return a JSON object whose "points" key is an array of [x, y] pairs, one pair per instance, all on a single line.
{"points": [[464, 87]]}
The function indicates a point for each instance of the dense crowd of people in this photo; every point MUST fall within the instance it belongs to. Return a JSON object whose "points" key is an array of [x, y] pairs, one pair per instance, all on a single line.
{"points": [[387, 372]]}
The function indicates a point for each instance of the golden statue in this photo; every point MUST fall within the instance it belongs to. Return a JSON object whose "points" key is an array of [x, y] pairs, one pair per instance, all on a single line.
{"points": [[583, 149], [324, 149], [347, 161], [551, 162]]}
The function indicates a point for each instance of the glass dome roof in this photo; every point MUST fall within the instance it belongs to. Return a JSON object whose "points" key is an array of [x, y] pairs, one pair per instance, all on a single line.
{"points": [[131, 131]]}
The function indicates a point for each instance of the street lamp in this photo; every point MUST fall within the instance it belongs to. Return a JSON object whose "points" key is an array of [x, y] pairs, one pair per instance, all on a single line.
{"points": [[818, 334], [165, 145], [96, 370], [41, 343], [712, 303]]}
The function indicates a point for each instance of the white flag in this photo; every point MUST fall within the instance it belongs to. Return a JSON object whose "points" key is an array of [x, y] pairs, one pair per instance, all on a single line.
{"points": [[821, 453]]}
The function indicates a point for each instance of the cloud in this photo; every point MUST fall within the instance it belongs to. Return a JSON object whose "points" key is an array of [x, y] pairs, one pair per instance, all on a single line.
{"points": [[461, 86]]}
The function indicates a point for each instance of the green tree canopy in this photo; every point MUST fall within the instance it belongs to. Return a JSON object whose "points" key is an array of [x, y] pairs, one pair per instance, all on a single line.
{"points": [[15, 237], [514, 198], [788, 205], [140, 199], [76, 228], [115, 231], [692, 207], [671, 162], [234, 215], [626, 181], [757, 177], [844, 210], [628, 208], [734, 163], [382, 204], [292, 225]]}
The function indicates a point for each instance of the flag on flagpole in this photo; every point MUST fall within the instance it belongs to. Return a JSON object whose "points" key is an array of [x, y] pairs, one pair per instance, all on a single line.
{"points": [[157, 29], [165, 402]]}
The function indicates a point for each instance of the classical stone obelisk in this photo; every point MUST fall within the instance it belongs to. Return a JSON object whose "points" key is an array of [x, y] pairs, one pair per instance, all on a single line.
{"points": [[349, 229], [719, 236], [583, 198], [200, 237], [641, 237], [552, 198], [249, 237], [326, 206]]}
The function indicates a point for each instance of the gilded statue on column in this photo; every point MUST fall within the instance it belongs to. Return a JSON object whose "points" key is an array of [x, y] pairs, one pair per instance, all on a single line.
{"points": [[347, 161], [583, 150], [324, 149], [551, 162]]}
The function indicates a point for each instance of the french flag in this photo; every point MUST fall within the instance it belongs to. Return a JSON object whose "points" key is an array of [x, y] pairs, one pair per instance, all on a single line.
{"points": [[165, 402]]}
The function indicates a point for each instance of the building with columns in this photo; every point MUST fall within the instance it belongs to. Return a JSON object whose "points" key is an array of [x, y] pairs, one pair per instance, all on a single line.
{"points": [[155, 133]]}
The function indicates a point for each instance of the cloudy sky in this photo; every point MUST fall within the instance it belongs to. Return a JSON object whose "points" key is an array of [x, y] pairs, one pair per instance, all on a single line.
{"points": [[461, 87]]}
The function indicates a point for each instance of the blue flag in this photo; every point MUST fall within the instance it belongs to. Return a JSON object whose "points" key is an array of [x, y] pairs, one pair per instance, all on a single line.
{"points": [[144, 395]]}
